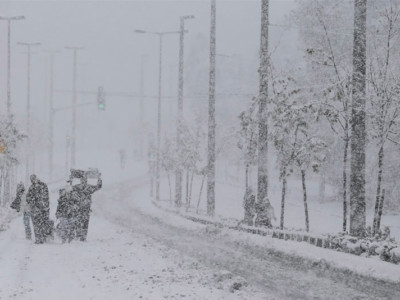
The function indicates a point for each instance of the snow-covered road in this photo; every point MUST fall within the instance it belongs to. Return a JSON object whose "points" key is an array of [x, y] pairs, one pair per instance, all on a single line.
{"points": [[133, 255]]}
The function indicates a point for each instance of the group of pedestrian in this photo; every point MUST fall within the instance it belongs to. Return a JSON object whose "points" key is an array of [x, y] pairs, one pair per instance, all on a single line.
{"points": [[73, 209]]}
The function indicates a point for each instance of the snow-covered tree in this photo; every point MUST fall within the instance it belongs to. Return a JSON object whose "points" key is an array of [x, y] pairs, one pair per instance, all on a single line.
{"points": [[247, 138], [10, 138], [328, 56], [297, 145], [384, 90]]}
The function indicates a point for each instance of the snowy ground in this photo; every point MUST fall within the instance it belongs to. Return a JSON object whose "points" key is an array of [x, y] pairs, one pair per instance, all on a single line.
{"points": [[117, 262], [114, 264], [136, 251]]}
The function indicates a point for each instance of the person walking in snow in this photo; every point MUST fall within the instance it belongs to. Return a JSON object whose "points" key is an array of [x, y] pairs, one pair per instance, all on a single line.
{"points": [[67, 211], [19, 204], [38, 200], [83, 194], [249, 204]]}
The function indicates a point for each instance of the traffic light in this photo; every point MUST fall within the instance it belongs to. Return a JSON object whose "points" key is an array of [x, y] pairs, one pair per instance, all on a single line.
{"points": [[101, 99]]}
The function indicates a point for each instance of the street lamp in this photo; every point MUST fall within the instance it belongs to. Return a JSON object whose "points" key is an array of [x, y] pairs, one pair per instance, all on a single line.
{"points": [[73, 133], [28, 101], [51, 111], [178, 171], [9, 19], [160, 35]]}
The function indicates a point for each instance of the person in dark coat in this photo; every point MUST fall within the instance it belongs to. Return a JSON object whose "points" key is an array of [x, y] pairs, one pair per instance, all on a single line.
{"points": [[38, 200], [67, 211], [19, 204], [249, 204], [83, 193]]}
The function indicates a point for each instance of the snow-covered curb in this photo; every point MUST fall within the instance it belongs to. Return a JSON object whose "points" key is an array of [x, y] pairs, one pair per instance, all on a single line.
{"points": [[315, 256]]}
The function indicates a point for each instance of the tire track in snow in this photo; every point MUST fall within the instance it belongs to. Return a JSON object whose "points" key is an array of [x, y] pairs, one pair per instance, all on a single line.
{"points": [[287, 277]]}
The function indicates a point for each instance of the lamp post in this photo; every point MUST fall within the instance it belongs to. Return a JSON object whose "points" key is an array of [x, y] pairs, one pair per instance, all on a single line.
{"points": [[141, 104], [51, 111], [9, 19], [73, 132], [211, 117], [160, 36], [28, 102], [178, 171]]}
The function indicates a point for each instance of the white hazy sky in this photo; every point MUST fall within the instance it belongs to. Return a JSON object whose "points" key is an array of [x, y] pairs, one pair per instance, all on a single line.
{"points": [[111, 55]]}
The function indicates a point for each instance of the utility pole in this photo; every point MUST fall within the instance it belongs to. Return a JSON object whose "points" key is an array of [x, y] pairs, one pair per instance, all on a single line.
{"points": [[9, 19], [51, 112], [73, 132], [158, 163], [28, 103], [178, 171], [141, 108], [358, 115], [262, 182], [211, 117]]}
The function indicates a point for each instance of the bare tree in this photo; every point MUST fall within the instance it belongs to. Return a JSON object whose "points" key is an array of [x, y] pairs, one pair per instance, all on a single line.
{"points": [[326, 53], [384, 94]]}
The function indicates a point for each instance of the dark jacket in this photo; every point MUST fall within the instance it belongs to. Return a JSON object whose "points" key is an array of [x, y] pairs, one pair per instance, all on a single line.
{"points": [[38, 197], [83, 193], [68, 206], [16, 204]]}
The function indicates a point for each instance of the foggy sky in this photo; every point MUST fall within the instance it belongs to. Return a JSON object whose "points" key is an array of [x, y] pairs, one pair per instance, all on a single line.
{"points": [[112, 53]]}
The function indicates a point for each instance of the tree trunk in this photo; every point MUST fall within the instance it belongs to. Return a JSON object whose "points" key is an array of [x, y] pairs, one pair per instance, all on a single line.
{"points": [[378, 190], [191, 188], [358, 136], [247, 176], [262, 180], [187, 189], [378, 222], [283, 197], [322, 187], [178, 172], [201, 190], [1, 186], [346, 147], [303, 181], [169, 184]]}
